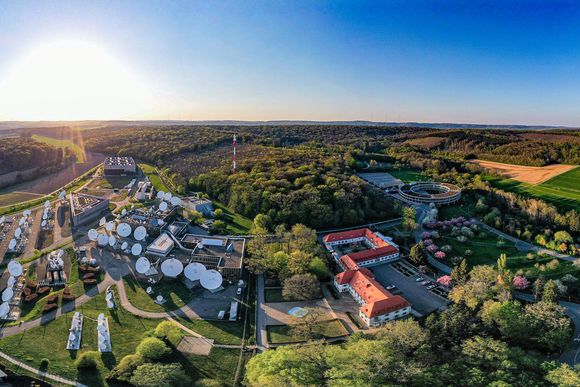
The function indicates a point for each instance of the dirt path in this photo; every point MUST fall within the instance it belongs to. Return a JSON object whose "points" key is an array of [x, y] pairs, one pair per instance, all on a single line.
{"points": [[526, 174]]}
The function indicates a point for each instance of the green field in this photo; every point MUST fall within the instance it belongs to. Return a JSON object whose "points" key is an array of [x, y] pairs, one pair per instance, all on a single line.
{"points": [[237, 224], [80, 154], [282, 334], [175, 292], [408, 175], [17, 197], [154, 177], [563, 191]]}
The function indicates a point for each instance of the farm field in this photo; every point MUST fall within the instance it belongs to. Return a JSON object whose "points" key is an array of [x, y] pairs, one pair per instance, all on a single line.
{"points": [[408, 175], [79, 152], [17, 197], [526, 174]]}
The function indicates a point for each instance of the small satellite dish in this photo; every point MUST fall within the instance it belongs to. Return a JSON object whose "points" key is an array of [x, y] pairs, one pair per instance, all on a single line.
{"points": [[44, 216], [159, 298], [12, 244], [15, 268], [124, 230], [60, 253], [175, 201], [7, 294], [162, 206], [110, 304], [124, 245], [71, 336], [109, 226], [109, 296], [62, 194], [2, 219], [112, 240], [46, 204], [140, 233], [43, 223], [11, 281], [211, 280], [102, 239], [18, 233], [93, 234], [160, 195], [27, 213], [142, 265], [21, 221], [194, 270], [136, 249], [124, 212], [171, 267], [102, 221]]}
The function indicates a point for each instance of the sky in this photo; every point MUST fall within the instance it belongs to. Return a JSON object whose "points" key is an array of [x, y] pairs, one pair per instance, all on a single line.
{"points": [[427, 61]]}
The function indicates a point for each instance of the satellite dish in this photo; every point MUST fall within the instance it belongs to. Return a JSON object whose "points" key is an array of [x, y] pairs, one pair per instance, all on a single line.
{"points": [[167, 196], [12, 244], [159, 298], [60, 254], [11, 281], [124, 230], [102, 329], [4, 309], [175, 201], [27, 213], [142, 265], [62, 194], [21, 221], [7, 294], [110, 304], [71, 336], [93, 234], [44, 216], [124, 245], [2, 219], [46, 204], [109, 226], [102, 221], [102, 239], [171, 267], [160, 195], [112, 240], [18, 233], [162, 206], [194, 270], [43, 223], [140, 233], [136, 249], [161, 222], [124, 212], [211, 280], [15, 268]]}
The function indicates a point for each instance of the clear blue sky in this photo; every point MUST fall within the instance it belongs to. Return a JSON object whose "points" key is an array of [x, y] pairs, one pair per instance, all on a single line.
{"points": [[478, 62]]}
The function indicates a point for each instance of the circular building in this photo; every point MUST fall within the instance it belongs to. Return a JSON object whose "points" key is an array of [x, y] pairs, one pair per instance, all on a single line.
{"points": [[426, 192]]}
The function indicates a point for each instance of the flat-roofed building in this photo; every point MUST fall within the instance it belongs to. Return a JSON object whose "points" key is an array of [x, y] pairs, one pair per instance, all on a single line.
{"points": [[161, 246], [85, 207], [200, 205], [118, 165], [225, 254], [145, 191]]}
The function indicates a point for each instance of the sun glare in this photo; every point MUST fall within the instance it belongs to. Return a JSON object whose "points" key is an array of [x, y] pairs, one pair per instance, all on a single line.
{"points": [[71, 81]]}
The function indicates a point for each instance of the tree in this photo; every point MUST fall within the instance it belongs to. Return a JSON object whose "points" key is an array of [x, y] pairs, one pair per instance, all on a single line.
{"points": [[549, 325], [153, 349], [318, 267], [128, 364], [409, 216], [219, 227], [562, 375], [88, 360], [416, 256], [539, 287], [563, 237], [160, 375], [550, 293], [301, 287], [308, 327], [460, 273], [262, 224]]}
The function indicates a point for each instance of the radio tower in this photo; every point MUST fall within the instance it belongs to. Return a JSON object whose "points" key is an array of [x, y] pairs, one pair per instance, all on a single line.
{"points": [[235, 143]]}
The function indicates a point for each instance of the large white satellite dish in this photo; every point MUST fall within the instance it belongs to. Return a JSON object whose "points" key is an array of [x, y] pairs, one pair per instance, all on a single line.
{"points": [[11, 281], [162, 206], [175, 201], [18, 233], [7, 294], [124, 230], [46, 204], [124, 245], [140, 233], [160, 195], [109, 226], [171, 267], [12, 244], [142, 265], [4, 309], [136, 249], [211, 280], [102, 239], [112, 240], [102, 221], [93, 234], [167, 196], [194, 270], [15, 268]]}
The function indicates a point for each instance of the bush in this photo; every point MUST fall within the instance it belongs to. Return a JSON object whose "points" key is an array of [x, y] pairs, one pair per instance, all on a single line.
{"points": [[31, 297], [44, 289], [124, 370], [27, 291], [49, 307], [155, 375], [153, 349], [44, 363], [90, 281], [87, 360], [89, 275], [68, 297]]}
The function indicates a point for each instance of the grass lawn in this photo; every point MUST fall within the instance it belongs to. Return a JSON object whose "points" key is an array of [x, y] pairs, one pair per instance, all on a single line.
{"points": [[223, 332], [110, 182], [49, 341], [237, 224], [408, 175], [220, 365], [154, 177], [79, 153], [17, 197], [175, 293], [274, 295], [281, 334]]}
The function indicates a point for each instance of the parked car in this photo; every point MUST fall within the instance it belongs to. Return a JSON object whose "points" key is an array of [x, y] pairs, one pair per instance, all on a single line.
{"points": [[239, 291], [241, 283], [419, 279], [425, 283], [391, 287], [221, 314], [432, 286]]}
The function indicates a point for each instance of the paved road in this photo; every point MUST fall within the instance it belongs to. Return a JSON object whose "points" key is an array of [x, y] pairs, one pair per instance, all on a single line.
{"points": [[261, 334]]}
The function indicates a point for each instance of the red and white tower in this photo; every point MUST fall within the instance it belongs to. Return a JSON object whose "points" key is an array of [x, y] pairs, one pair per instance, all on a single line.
{"points": [[235, 143]]}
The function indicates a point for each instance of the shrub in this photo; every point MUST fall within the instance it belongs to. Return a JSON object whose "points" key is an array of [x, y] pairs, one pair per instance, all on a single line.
{"points": [[169, 331], [124, 370], [153, 349], [31, 297], [44, 364], [155, 374], [49, 307], [27, 291], [553, 264], [89, 275], [52, 298], [87, 360], [520, 282], [90, 281], [43, 289]]}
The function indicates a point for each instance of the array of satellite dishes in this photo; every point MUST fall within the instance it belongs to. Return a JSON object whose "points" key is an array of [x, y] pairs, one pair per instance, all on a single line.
{"points": [[15, 268], [211, 279], [194, 270], [142, 265], [136, 249], [93, 234], [171, 267], [140, 233], [124, 230]]}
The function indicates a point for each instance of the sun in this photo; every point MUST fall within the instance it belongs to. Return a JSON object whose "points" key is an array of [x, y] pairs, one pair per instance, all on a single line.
{"points": [[71, 80]]}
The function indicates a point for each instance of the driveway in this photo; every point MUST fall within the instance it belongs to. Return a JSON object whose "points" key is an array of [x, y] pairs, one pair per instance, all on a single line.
{"points": [[421, 299]]}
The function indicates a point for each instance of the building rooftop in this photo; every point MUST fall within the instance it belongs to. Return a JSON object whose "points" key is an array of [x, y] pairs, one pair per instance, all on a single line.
{"points": [[161, 245], [82, 202], [119, 161]]}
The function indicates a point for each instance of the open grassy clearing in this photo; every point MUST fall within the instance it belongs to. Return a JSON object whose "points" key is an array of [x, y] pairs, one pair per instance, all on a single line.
{"points": [[569, 181], [17, 197], [282, 334], [79, 153], [237, 224], [154, 177], [408, 175], [110, 182], [222, 331], [175, 293], [220, 365]]}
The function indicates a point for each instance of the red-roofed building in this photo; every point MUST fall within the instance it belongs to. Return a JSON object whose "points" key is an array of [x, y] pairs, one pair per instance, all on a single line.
{"points": [[377, 304], [380, 248]]}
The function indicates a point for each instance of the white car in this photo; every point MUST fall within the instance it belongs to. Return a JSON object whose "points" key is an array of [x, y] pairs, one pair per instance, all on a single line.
{"points": [[221, 314], [239, 291]]}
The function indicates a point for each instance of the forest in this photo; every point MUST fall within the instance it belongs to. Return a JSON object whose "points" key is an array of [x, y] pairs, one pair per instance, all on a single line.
{"points": [[21, 153]]}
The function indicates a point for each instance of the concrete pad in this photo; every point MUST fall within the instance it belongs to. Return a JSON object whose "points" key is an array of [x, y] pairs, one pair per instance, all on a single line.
{"points": [[195, 345], [277, 312]]}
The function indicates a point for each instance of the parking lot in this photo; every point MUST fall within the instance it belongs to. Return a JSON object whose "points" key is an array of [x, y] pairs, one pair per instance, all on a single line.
{"points": [[421, 299]]}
